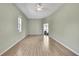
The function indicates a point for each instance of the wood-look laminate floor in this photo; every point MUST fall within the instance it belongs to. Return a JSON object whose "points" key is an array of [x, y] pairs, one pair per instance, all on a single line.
{"points": [[34, 46]]}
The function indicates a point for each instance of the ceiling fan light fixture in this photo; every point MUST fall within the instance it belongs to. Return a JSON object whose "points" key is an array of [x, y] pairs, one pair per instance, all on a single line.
{"points": [[39, 7]]}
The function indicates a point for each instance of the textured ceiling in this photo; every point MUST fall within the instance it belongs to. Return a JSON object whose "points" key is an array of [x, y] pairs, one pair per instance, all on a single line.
{"points": [[30, 11]]}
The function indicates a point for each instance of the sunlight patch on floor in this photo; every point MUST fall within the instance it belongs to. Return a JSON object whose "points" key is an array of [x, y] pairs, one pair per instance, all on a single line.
{"points": [[45, 42]]}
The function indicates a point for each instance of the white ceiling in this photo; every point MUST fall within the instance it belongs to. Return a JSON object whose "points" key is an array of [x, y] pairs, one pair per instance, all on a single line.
{"points": [[29, 9]]}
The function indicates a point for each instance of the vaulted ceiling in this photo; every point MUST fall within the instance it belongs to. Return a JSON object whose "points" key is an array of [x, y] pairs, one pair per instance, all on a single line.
{"points": [[37, 11]]}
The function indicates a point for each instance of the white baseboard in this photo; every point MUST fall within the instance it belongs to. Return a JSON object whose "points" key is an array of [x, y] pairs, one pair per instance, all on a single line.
{"points": [[35, 34], [12, 45], [65, 45]]}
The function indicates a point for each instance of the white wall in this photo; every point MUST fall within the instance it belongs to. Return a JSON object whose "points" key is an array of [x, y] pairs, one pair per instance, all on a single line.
{"points": [[64, 26], [8, 26], [35, 26]]}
